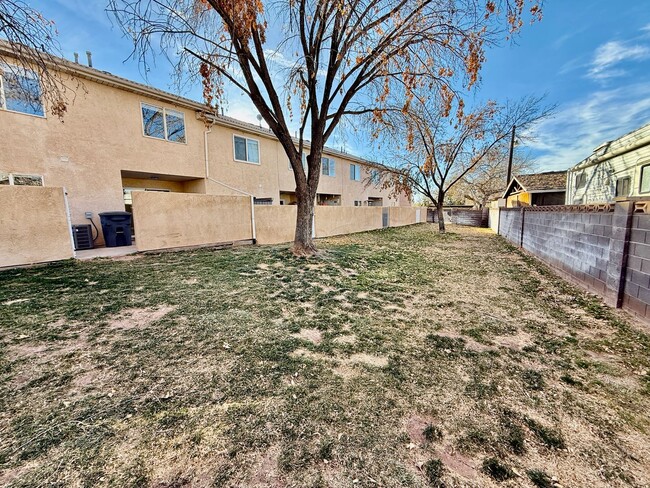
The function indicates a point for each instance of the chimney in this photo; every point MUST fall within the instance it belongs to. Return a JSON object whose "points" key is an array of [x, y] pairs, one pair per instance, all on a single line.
{"points": [[89, 55], [76, 58]]}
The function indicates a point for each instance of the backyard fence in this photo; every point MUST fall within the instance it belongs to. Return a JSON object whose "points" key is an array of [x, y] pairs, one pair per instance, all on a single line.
{"points": [[460, 216], [604, 247], [35, 227]]}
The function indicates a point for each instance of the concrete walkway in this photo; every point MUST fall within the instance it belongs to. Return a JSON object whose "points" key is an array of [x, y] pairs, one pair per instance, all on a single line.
{"points": [[105, 252]]}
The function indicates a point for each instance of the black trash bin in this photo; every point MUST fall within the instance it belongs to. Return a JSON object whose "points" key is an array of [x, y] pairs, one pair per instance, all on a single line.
{"points": [[116, 227]]}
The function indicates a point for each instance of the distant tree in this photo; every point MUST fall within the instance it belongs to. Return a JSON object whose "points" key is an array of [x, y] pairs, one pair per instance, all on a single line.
{"points": [[28, 44], [436, 153], [319, 61], [489, 177]]}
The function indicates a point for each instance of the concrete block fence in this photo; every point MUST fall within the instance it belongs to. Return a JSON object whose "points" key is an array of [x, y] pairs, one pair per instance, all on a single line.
{"points": [[604, 247]]}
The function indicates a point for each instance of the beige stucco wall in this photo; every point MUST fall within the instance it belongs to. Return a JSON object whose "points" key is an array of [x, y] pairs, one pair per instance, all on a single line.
{"points": [[275, 224], [101, 138], [332, 221], [493, 218], [399, 216], [33, 225], [168, 220]]}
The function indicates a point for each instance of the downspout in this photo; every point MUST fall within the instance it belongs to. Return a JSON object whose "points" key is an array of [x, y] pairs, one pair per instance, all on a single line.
{"points": [[207, 131]]}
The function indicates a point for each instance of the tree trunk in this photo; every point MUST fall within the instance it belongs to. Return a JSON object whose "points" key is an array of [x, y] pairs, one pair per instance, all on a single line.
{"points": [[441, 218], [303, 243]]}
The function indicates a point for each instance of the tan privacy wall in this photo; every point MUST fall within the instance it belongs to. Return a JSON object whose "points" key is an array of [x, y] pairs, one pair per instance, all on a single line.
{"points": [[168, 220], [275, 224], [333, 221], [404, 215], [33, 225]]}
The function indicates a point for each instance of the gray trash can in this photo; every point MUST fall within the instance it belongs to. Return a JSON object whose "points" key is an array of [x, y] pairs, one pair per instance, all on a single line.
{"points": [[116, 227]]}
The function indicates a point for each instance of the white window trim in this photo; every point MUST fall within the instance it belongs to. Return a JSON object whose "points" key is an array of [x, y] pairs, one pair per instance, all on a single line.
{"points": [[259, 150], [164, 111], [3, 100], [328, 167], [642, 166], [355, 173], [11, 175]]}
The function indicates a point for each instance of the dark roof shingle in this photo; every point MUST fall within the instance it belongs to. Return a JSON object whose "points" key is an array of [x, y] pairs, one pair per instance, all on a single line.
{"points": [[550, 180]]}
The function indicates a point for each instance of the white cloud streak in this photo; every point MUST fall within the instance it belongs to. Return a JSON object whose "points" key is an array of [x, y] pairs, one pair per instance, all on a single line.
{"points": [[578, 128], [613, 53]]}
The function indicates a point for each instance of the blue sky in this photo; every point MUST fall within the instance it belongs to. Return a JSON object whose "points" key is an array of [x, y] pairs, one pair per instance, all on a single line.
{"points": [[592, 58]]}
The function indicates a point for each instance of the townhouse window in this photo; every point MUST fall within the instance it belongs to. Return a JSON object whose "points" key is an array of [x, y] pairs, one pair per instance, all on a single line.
{"points": [[644, 187], [358, 203], [581, 180], [16, 179], [355, 172], [623, 186], [246, 150], [328, 167], [20, 90], [375, 177], [163, 123]]}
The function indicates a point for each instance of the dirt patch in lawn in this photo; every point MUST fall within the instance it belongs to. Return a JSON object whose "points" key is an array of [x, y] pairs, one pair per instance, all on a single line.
{"points": [[138, 318], [314, 336], [407, 363]]}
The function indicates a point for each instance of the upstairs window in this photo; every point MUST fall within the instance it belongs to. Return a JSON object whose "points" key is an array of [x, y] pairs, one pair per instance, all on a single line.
{"points": [[581, 180], [644, 187], [355, 172], [304, 163], [623, 186], [20, 179], [328, 167], [20, 91], [246, 150], [375, 177], [163, 123]]}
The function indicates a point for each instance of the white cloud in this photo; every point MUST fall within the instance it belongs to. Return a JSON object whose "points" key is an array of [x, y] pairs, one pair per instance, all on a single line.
{"points": [[612, 53], [578, 128]]}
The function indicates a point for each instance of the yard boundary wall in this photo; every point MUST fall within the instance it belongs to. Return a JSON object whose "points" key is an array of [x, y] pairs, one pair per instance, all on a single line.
{"points": [[605, 248], [460, 216], [168, 220], [34, 225]]}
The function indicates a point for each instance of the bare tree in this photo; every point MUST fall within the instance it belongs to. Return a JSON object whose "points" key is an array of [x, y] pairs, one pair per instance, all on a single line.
{"points": [[488, 179], [314, 62], [439, 153], [28, 44]]}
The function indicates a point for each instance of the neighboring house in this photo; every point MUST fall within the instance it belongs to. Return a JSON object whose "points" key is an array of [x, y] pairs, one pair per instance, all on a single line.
{"points": [[119, 136], [536, 189], [619, 168]]}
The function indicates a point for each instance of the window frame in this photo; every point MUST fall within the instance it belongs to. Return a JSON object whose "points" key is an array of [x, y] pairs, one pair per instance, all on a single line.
{"points": [[581, 178], [375, 177], [357, 171], [330, 173], [259, 152], [164, 114], [643, 166], [629, 186], [3, 97], [13, 175]]}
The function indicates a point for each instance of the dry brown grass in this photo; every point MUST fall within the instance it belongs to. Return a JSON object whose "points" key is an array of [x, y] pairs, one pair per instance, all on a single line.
{"points": [[396, 351]]}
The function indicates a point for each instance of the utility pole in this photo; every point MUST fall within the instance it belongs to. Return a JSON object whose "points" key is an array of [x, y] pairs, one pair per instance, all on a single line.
{"points": [[512, 148]]}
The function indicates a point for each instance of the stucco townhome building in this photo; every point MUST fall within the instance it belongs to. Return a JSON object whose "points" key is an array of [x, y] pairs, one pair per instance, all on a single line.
{"points": [[119, 136]]}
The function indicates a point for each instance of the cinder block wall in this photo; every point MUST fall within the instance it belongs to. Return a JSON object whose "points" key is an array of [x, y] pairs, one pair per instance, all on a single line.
{"points": [[510, 225], [605, 248], [575, 242], [636, 295]]}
